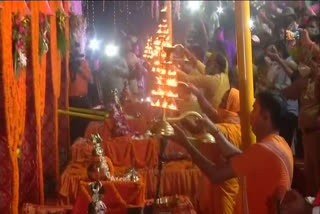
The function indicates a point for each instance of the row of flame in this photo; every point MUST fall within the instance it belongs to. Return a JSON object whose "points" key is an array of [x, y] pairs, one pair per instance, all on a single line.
{"points": [[165, 78]]}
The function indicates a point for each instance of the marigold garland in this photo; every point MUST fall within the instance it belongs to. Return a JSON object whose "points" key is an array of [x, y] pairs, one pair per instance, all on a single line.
{"points": [[14, 96], [54, 53], [39, 84]]}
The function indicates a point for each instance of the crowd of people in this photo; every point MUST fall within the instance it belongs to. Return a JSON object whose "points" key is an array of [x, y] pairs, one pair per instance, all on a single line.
{"points": [[286, 113]]}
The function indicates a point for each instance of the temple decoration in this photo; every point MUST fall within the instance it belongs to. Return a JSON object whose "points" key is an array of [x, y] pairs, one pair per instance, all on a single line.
{"points": [[44, 26], [21, 40], [13, 108], [97, 206], [131, 175], [61, 35]]}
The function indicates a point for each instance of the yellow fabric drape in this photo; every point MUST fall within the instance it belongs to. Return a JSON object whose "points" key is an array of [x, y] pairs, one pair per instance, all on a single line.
{"points": [[14, 95]]}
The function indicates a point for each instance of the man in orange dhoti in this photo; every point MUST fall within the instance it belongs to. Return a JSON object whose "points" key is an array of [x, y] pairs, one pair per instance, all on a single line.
{"points": [[266, 167]]}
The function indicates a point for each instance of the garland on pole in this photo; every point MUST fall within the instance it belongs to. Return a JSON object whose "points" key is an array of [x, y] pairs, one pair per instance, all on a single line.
{"points": [[20, 41], [44, 27], [61, 34], [14, 94]]}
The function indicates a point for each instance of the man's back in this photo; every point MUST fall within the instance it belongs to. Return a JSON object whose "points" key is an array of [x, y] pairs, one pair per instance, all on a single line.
{"points": [[268, 168]]}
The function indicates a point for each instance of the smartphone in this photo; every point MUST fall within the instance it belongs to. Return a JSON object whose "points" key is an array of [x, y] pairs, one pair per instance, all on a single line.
{"points": [[292, 35]]}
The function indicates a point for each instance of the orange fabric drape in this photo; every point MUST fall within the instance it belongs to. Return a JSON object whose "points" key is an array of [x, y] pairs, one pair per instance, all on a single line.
{"points": [[55, 55], [124, 152], [118, 196], [56, 78], [67, 33], [14, 95], [39, 86]]}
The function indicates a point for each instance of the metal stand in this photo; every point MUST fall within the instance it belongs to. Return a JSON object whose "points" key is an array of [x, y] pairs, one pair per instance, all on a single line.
{"points": [[163, 145]]}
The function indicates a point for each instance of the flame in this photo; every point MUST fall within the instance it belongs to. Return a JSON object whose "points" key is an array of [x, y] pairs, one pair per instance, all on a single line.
{"points": [[164, 9], [171, 94], [172, 82], [164, 105], [172, 107], [172, 73]]}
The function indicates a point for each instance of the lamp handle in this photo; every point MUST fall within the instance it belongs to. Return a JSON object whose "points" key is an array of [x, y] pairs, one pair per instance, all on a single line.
{"points": [[184, 115]]}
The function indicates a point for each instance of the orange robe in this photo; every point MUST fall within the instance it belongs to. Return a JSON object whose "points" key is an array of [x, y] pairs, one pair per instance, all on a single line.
{"points": [[221, 199], [268, 168]]}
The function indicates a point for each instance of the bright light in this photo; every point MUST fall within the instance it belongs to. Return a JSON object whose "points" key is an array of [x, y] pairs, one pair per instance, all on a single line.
{"points": [[219, 10], [194, 5], [94, 44], [251, 24], [111, 50]]}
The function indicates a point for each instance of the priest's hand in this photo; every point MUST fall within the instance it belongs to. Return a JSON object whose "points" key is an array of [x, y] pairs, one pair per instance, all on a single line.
{"points": [[194, 90], [180, 136]]}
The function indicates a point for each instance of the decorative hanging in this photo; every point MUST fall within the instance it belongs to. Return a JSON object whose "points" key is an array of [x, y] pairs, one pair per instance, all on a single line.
{"points": [[44, 27], [127, 12], [177, 9], [88, 17], [14, 97], [114, 15], [61, 35], [21, 40], [92, 2], [97, 206], [157, 10], [152, 9], [103, 5]]}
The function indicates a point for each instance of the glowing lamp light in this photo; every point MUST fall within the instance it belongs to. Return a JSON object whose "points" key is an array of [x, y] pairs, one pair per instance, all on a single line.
{"points": [[94, 44], [172, 107], [172, 82], [251, 24], [219, 10], [194, 5], [111, 50]]}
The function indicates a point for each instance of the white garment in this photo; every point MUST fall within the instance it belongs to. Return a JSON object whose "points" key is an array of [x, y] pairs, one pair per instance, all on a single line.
{"points": [[280, 80]]}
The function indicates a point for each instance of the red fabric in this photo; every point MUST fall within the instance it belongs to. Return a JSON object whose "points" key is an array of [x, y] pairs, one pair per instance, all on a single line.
{"points": [[48, 128], [45, 209], [64, 132], [6, 174], [317, 200], [29, 180], [130, 195]]}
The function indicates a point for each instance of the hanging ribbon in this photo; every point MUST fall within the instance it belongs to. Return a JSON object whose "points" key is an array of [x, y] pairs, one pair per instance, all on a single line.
{"points": [[14, 95], [152, 9], [157, 10], [177, 9]]}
